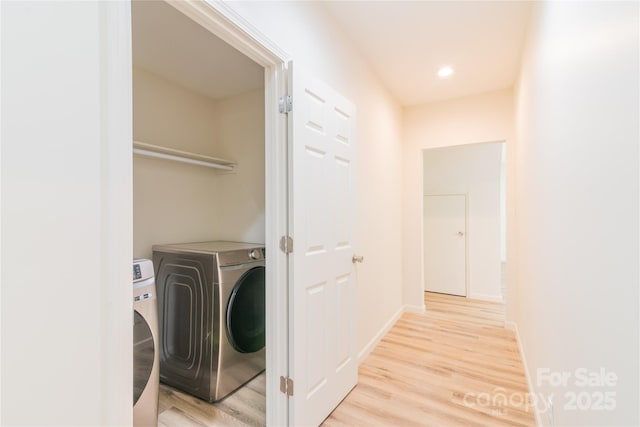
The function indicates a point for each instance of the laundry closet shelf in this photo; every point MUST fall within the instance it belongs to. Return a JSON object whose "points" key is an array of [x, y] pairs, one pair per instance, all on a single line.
{"points": [[156, 151]]}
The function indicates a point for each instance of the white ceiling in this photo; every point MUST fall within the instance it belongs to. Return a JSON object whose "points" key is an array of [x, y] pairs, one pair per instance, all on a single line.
{"points": [[171, 45], [406, 42]]}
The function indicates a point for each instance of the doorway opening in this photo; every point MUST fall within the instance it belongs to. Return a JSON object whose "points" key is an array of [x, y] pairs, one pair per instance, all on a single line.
{"points": [[209, 151], [464, 220]]}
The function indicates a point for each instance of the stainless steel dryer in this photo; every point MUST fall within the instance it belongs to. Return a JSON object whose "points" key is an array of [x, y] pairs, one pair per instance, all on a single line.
{"points": [[145, 345], [211, 300]]}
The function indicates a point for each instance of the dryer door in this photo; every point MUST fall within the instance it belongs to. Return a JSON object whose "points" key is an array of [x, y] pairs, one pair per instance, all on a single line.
{"points": [[143, 353], [246, 312]]}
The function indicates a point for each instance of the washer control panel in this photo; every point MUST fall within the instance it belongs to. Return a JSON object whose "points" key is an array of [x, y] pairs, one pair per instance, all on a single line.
{"points": [[142, 270], [137, 273]]}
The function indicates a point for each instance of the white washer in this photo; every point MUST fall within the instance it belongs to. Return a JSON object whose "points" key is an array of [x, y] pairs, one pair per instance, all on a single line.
{"points": [[146, 368]]}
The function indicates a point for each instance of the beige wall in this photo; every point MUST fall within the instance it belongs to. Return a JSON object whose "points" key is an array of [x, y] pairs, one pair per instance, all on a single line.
{"points": [[175, 202], [486, 117], [307, 33], [240, 135], [578, 206]]}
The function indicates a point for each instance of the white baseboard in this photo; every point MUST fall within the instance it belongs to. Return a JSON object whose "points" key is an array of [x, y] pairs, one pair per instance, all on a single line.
{"points": [[509, 324], [415, 308], [381, 333], [486, 297]]}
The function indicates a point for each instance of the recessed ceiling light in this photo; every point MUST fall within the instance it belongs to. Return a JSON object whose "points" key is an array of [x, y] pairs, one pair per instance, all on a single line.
{"points": [[445, 72]]}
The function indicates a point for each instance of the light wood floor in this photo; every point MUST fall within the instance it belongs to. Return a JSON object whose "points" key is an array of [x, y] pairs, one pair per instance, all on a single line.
{"points": [[446, 367], [449, 366], [245, 407]]}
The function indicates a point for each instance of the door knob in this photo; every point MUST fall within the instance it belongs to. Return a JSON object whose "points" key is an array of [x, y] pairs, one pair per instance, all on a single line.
{"points": [[357, 258], [460, 233]]}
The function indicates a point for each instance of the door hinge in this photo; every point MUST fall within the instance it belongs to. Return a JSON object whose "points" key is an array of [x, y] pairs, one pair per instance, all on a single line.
{"points": [[285, 104], [286, 244], [286, 386]]}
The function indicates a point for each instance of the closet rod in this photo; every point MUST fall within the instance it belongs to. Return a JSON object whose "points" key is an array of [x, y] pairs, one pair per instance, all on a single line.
{"points": [[150, 150], [181, 159]]}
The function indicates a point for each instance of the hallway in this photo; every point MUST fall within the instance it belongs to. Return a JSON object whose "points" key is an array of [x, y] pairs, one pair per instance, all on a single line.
{"points": [[453, 365]]}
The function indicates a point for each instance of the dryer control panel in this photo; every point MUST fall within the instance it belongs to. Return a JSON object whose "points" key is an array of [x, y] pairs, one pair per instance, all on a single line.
{"points": [[240, 257], [255, 254]]}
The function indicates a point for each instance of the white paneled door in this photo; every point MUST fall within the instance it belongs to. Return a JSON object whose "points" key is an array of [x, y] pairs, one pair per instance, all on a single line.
{"points": [[323, 301], [445, 244]]}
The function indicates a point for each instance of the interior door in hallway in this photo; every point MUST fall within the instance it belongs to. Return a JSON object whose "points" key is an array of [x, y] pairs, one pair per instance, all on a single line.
{"points": [[323, 315], [445, 239]]}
